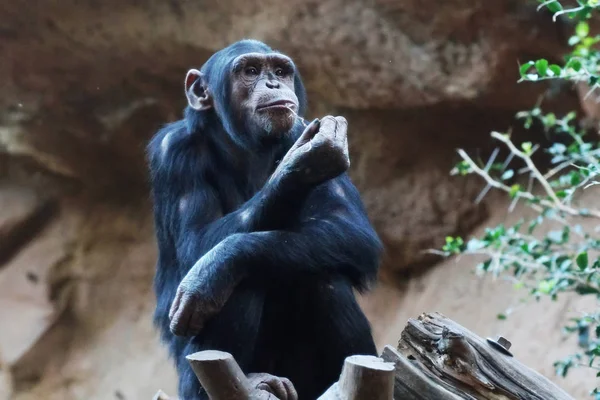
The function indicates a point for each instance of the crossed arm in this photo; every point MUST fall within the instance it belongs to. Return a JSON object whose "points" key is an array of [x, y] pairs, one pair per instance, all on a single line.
{"points": [[332, 237], [307, 219]]}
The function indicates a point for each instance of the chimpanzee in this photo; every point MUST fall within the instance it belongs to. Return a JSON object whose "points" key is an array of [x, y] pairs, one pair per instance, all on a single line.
{"points": [[262, 236]]}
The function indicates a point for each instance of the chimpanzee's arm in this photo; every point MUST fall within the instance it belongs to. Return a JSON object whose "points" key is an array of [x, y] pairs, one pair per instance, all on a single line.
{"points": [[194, 215], [196, 209], [333, 238]]}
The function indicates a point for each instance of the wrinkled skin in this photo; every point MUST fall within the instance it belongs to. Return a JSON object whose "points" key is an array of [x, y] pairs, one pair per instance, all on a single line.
{"points": [[282, 388]]}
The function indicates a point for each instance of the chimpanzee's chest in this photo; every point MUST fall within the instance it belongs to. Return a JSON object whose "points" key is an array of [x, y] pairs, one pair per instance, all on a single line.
{"points": [[237, 187]]}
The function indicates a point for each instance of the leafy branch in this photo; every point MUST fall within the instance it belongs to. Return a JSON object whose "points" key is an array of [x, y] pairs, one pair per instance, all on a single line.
{"points": [[564, 259]]}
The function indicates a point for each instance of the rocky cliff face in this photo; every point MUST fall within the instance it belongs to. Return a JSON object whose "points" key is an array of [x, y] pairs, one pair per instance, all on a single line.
{"points": [[86, 83]]}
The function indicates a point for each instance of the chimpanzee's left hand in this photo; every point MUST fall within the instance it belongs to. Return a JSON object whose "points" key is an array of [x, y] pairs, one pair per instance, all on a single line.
{"points": [[282, 388]]}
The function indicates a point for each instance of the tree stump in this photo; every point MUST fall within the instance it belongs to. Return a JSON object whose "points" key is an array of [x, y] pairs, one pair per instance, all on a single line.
{"points": [[437, 359], [363, 377], [223, 379]]}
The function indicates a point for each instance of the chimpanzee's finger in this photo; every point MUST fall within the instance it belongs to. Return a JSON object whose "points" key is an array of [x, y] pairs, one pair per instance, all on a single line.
{"points": [[309, 132], [181, 318], [290, 389], [175, 304], [276, 387], [326, 131], [340, 128]]}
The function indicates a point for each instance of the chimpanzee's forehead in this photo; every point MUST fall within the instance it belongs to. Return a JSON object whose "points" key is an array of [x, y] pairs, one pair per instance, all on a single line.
{"points": [[272, 57]]}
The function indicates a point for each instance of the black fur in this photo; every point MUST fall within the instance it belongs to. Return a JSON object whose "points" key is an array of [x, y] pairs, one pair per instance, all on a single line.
{"points": [[304, 250]]}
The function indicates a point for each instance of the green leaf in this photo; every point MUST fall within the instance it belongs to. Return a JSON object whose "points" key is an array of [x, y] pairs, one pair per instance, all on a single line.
{"points": [[518, 285], [541, 66], [546, 286], [589, 42], [582, 29], [501, 316], [509, 173], [557, 148], [475, 244], [564, 266], [555, 69], [585, 290], [462, 168], [555, 236], [554, 6], [582, 260], [573, 40], [549, 120], [575, 64], [527, 147], [525, 67], [514, 189]]}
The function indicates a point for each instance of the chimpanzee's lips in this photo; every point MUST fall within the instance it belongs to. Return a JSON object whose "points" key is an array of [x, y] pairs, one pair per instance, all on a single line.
{"points": [[277, 104]]}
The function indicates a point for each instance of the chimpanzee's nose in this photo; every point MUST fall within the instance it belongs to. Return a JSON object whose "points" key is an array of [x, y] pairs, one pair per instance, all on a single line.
{"points": [[272, 84]]}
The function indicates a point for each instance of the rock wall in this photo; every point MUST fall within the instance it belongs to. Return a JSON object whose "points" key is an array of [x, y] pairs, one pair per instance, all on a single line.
{"points": [[86, 83]]}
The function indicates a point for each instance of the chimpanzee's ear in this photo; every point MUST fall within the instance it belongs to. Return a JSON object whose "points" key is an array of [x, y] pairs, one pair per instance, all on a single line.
{"points": [[196, 91]]}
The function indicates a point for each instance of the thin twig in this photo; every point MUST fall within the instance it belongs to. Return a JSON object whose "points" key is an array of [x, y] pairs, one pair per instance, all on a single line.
{"points": [[302, 120], [555, 203], [536, 172]]}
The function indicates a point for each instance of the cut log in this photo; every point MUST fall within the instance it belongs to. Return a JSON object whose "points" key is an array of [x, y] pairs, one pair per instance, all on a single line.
{"points": [[223, 379], [439, 359], [220, 375], [363, 377]]}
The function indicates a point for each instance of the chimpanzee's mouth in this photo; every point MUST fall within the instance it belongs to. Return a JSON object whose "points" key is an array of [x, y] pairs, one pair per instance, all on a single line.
{"points": [[277, 104]]}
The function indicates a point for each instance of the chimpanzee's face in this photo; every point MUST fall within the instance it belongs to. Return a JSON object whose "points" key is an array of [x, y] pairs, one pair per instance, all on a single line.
{"points": [[262, 92]]}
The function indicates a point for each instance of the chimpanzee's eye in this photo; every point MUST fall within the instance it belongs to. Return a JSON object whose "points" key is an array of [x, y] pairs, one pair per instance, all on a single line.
{"points": [[251, 71]]}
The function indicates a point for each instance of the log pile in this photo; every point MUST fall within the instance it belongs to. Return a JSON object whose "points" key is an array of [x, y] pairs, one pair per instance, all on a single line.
{"points": [[436, 359]]}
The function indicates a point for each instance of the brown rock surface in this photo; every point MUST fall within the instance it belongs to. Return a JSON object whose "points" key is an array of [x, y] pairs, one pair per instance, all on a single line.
{"points": [[85, 84]]}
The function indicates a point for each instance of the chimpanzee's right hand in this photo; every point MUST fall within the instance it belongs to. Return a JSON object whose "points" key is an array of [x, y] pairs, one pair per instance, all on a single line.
{"points": [[320, 153], [200, 296]]}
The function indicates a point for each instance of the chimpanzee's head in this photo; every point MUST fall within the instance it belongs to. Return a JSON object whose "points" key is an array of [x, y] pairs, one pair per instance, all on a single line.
{"points": [[253, 90]]}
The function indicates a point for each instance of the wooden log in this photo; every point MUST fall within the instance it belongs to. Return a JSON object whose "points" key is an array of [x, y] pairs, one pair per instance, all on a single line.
{"points": [[220, 375], [439, 359], [223, 379], [363, 377], [411, 383], [436, 359]]}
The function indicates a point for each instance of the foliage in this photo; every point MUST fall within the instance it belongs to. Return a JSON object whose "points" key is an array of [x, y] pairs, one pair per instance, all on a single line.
{"points": [[565, 259]]}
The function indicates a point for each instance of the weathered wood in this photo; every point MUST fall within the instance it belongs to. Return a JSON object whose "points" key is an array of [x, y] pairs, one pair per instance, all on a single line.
{"points": [[220, 375], [223, 379], [454, 363], [411, 383], [436, 359], [363, 377]]}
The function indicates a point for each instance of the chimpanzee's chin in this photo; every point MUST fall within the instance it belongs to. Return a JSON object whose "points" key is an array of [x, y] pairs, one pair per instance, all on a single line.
{"points": [[277, 127]]}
